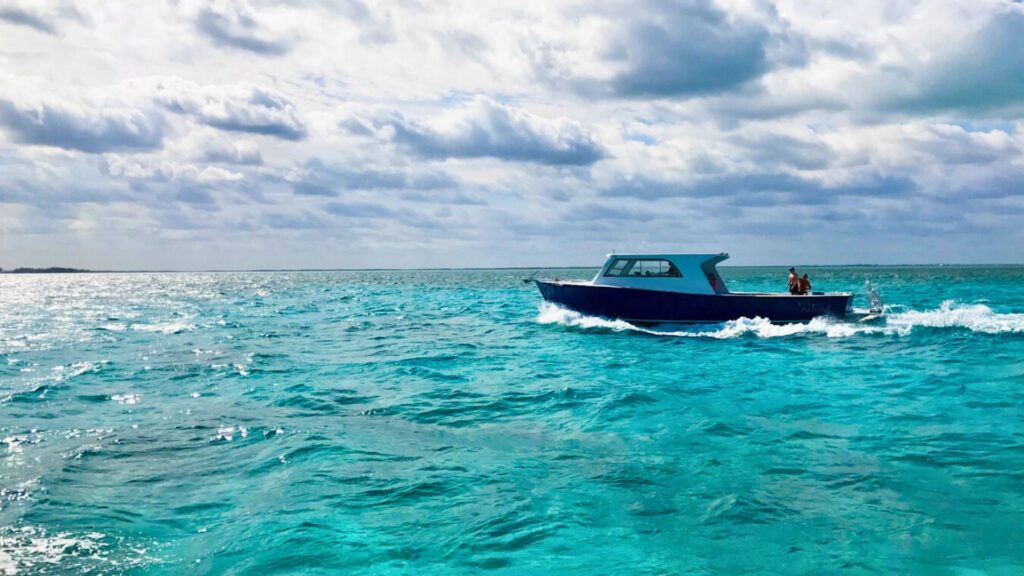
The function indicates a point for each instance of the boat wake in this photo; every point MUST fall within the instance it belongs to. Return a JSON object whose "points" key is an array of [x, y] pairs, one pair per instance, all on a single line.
{"points": [[973, 317]]}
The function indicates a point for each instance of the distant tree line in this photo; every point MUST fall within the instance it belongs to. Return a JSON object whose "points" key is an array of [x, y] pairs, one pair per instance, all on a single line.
{"points": [[50, 270]]}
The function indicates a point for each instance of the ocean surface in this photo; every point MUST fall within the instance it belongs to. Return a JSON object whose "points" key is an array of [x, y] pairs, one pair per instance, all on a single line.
{"points": [[446, 422]]}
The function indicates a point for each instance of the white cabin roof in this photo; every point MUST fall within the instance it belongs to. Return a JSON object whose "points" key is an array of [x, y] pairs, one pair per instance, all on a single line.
{"points": [[677, 258], [688, 273]]}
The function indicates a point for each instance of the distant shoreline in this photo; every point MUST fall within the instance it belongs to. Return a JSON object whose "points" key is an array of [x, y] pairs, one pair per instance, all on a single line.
{"points": [[48, 270], [67, 270]]}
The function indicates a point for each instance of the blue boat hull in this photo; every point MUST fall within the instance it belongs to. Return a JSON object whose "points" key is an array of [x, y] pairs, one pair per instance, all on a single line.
{"points": [[658, 307]]}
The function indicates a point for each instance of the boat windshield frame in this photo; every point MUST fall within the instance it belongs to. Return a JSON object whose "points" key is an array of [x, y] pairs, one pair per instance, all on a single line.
{"points": [[684, 273], [666, 268]]}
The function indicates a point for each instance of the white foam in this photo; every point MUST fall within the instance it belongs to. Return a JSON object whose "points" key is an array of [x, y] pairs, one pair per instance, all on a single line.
{"points": [[553, 314], [28, 547], [761, 327], [77, 369], [20, 491], [227, 433], [31, 549], [14, 443], [167, 328], [126, 398], [973, 317]]}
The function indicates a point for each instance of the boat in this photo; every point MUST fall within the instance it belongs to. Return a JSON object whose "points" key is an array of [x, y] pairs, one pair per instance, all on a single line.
{"points": [[647, 289]]}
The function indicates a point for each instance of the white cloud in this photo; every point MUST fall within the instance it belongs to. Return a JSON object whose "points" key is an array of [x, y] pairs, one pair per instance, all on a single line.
{"points": [[444, 133], [238, 108], [234, 24], [227, 151], [87, 127], [139, 168], [481, 128], [43, 16]]}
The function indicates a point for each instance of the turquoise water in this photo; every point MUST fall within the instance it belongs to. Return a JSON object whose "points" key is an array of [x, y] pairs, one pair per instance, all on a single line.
{"points": [[445, 422]]}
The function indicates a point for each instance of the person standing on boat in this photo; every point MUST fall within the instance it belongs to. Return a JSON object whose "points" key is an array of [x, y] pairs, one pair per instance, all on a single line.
{"points": [[794, 282], [805, 285]]}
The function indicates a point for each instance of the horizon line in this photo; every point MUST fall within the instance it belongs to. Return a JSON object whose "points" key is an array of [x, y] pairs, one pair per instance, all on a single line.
{"points": [[71, 270]]}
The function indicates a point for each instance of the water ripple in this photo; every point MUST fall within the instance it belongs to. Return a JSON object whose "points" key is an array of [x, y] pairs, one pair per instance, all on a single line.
{"points": [[445, 422]]}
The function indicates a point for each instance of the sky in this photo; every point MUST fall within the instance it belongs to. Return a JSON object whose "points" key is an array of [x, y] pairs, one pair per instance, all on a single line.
{"points": [[200, 134]]}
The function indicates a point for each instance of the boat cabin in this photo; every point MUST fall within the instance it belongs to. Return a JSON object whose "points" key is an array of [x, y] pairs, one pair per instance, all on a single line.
{"points": [[687, 273]]}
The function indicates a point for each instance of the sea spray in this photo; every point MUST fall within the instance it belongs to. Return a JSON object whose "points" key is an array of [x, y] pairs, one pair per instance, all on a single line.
{"points": [[973, 317]]}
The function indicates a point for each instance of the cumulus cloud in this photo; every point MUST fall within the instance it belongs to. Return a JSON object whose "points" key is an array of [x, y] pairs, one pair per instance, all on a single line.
{"points": [[164, 171], [483, 128], [318, 178], [909, 146], [97, 128], [24, 17], [170, 189], [470, 126], [38, 16], [52, 194], [359, 210], [593, 211], [235, 108], [986, 73], [760, 188], [660, 48], [232, 152], [786, 150], [235, 25], [292, 221]]}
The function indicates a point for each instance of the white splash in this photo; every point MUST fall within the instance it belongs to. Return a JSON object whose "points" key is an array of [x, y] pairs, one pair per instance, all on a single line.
{"points": [[32, 550], [761, 327], [129, 399], [167, 328], [973, 317], [553, 314], [243, 367], [14, 443], [78, 368], [20, 491], [227, 433]]}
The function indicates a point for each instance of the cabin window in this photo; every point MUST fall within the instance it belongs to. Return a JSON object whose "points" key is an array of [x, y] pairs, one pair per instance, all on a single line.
{"points": [[647, 267], [617, 267]]}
